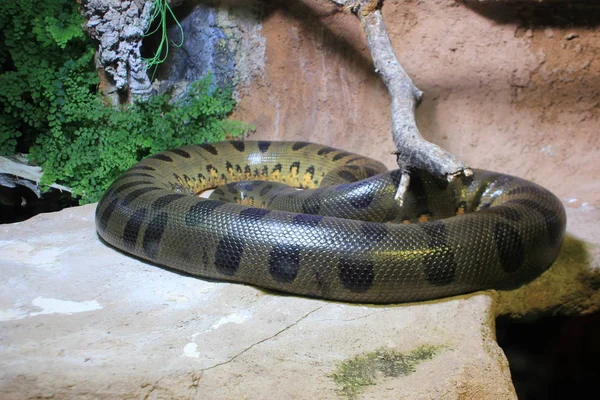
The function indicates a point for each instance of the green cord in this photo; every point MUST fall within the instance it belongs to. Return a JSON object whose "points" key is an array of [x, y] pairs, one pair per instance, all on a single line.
{"points": [[160, 9]]}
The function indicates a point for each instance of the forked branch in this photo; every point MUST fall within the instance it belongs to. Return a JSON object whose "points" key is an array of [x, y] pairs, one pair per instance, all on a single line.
{"points": [[412, 150]]}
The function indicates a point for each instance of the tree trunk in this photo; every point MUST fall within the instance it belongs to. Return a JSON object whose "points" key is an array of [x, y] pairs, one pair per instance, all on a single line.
{"points": [[413, 152], [119, 28]]}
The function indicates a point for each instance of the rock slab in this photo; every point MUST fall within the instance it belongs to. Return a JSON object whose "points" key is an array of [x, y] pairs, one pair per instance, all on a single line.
{"points": [[79, 319]]}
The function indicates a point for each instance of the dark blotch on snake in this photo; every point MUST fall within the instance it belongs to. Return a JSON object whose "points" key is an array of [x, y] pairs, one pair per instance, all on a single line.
{"points": [[347, 176], [165, 200], [204, 257], [440, 266], [356, 275], [361, 196], [354, 159], [153, 235], [249, 185], [143, 168], [340, 155], [110, 208], [132, 228], [325, 150], [505, 211], [372, 172], [284, 262], [265, 189], [210, 148], [363, 200], [229, 255], [199, 212], [181, 153], [374, 232], [306, 220], [127, 175], [510, 246], [239, 145], [137, 193], [129, 185], [273, 198], [342, 186], [185, 254], [264, 146], [311, 205], [252, 214], [552, 219], [162, 157], [299, 145]]}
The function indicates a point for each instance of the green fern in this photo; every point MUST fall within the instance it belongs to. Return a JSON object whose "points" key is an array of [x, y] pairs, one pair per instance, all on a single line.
{"points": [[49, 104]]}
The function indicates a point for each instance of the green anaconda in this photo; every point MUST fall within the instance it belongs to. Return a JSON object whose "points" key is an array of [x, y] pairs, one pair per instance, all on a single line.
{"points": [[344, 237]]}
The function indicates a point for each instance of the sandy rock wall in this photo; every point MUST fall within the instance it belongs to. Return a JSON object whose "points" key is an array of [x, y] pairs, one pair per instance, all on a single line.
{"points": [[508, 86]]}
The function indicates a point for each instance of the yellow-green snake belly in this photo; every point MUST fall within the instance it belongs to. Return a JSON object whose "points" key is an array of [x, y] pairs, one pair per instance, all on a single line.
{"points": [[344, 237]]}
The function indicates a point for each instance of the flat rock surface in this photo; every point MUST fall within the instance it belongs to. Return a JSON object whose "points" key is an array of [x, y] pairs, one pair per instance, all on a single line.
{"points": [[81, 320]]}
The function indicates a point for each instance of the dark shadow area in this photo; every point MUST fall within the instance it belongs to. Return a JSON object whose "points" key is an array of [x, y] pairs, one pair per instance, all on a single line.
{"points": [[553, 13], [552, 357], [20, 203], [555, 357]]}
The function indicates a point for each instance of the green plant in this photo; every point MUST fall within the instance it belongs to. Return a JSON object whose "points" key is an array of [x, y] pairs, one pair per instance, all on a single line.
{"points": [[49, 104], [36, 39], [92, 144]]}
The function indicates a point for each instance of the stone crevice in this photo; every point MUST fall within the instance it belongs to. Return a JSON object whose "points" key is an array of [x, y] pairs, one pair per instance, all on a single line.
{"points": [[265, 339]]}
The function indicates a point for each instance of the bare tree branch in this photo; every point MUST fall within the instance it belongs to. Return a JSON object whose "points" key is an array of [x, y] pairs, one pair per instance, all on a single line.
{"points": [[412, 150]]}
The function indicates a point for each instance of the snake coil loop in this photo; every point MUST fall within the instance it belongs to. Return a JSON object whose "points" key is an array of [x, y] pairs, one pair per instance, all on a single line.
{"points": [[344, 237]]}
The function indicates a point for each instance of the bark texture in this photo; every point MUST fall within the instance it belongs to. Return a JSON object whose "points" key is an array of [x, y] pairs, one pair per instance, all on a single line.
{"points": [[119, 28], [412, 150]]}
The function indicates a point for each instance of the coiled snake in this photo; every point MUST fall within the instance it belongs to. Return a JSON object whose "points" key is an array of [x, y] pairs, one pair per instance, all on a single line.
{"points": [[344, 238]]}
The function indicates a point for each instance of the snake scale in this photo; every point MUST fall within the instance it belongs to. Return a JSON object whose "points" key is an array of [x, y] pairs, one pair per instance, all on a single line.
{"points": [[344, 237]]}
